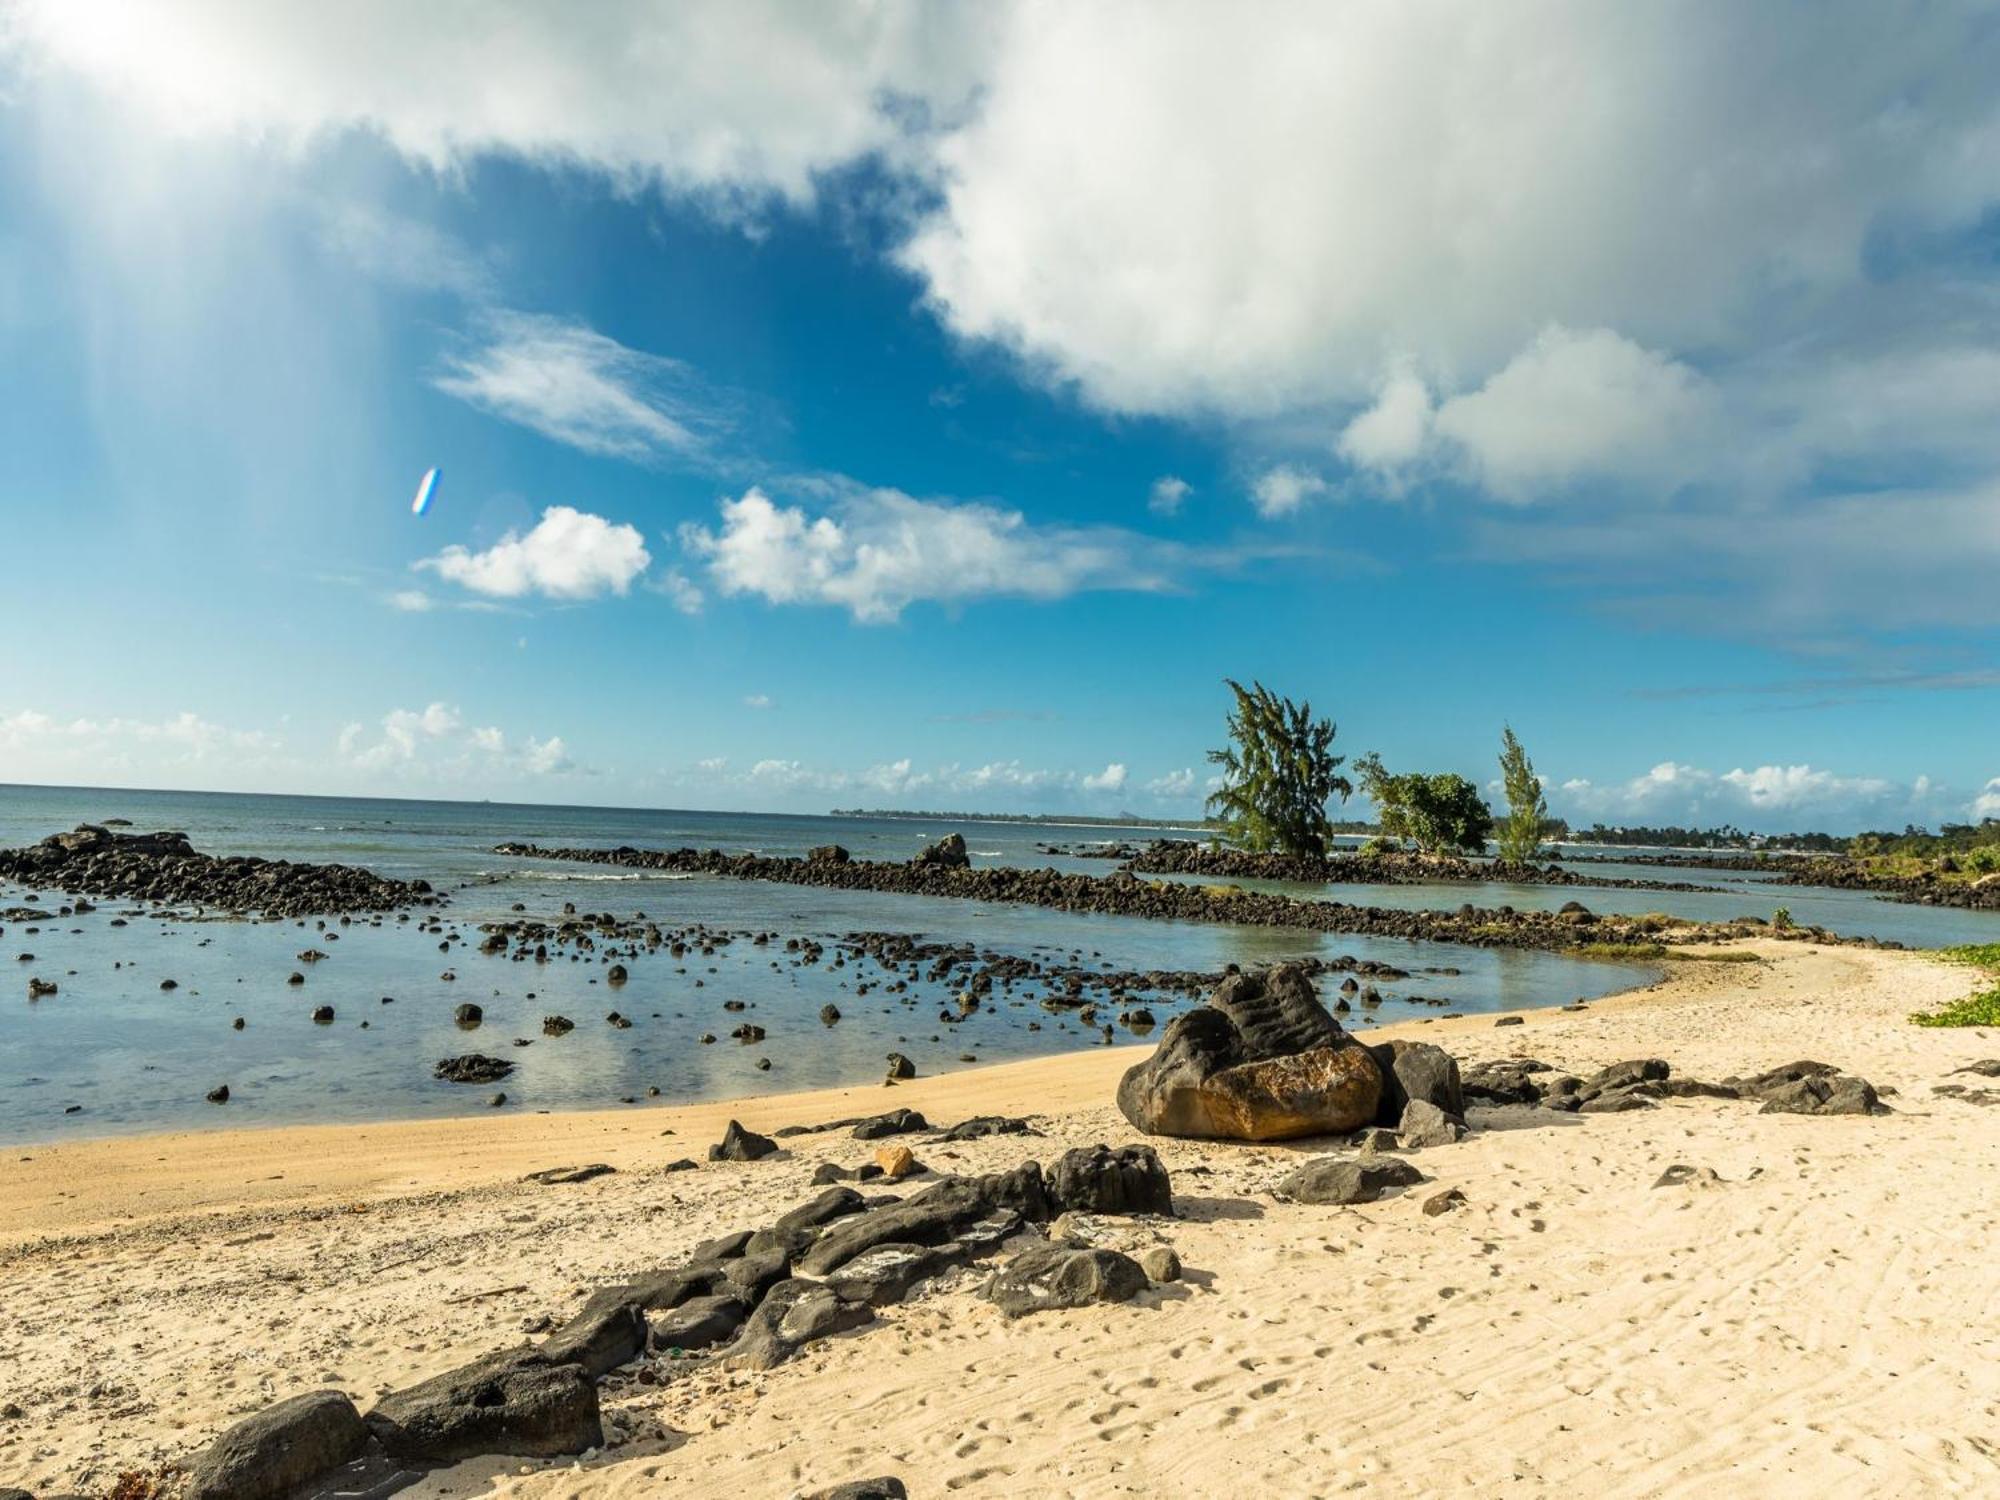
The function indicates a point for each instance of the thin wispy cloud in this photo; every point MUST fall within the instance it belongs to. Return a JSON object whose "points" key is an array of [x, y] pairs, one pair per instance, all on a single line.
{"points": [[578, 387]]}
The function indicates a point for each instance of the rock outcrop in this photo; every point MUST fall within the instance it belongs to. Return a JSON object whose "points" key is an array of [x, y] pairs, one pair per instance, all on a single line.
{"points": [[1261, 1061]]}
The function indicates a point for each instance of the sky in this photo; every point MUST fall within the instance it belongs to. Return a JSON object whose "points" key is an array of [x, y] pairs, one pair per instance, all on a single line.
{"points": [[930, 405]]}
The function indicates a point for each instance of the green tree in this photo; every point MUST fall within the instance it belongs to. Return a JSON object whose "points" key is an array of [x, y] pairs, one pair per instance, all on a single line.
{"points": [[1520, 832], [1436, 812], [1278, 774]]}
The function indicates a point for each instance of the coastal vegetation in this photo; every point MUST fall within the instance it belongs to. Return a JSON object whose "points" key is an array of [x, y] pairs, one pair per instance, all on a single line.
{"points": [[1520, 833], [1979, 1009], [1440, 812], [1278, 774]]}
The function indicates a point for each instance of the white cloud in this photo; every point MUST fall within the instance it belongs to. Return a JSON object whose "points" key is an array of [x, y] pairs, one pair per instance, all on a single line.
{"points": [[1168, 494], [1174, 784], [1769, 797], [1574, 406], [877, 551], [684, 592], [757, 700], [38, 743], [576, 386], [570, 554], [434, 743], [1282, 490], [1110, 779], [1265, 209], [1394, 431], [1987, 803], [412, 601], [737, 99]]}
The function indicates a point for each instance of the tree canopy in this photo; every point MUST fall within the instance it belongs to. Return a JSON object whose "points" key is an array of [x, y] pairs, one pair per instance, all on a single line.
{"points": [[1278, 774], [1437, 812]]}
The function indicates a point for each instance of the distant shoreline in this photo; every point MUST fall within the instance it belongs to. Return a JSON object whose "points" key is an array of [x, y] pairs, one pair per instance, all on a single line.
{"points": [[1025, 820]]}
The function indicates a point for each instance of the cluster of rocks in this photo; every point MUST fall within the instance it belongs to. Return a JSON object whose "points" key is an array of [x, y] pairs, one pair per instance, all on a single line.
{"points": [[164, 867], [746, 1300], [1122, 894], [1798, 1088], [1379, 867], [1926, 888]]}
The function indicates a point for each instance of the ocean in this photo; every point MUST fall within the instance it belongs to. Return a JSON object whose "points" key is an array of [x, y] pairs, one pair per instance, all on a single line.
{"points": [[112, 1051]]}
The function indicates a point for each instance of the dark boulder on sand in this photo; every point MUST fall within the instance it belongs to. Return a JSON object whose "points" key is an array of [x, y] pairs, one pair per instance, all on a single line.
{"points": [[515, 1402], [1261, 1061], [738, 1144], [279, 1449]]}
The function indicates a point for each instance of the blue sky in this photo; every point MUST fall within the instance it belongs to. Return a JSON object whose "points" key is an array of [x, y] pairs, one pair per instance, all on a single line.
{"points": [[930, 406]]}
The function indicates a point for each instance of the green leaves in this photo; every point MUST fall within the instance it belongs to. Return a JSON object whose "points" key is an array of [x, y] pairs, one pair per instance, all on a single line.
{"points": [[1436, 812], [1278, 773], [1520, 833]]}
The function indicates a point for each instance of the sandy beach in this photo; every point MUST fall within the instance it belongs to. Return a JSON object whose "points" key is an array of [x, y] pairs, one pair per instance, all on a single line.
{"points": [[1823, 1315]]}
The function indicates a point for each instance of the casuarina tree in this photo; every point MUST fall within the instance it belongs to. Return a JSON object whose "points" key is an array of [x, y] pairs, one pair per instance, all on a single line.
{"points": [[1519, 835], [1278, 774]]}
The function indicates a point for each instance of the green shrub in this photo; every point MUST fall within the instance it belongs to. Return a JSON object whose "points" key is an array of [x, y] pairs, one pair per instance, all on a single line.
{"points": [[1781, 919], [1974, 1010]]}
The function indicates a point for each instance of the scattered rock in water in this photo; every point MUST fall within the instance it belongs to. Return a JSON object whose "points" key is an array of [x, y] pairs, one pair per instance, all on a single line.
{"points": [[473, 1067], [1332, 1179], [219, 1094], [170, 984], [826, 854], [269, 1455], [617, 1022], [496, 1100], [322, 1015], [1044, 1278], [615, 974], [468, 1015], [557, 1025], [948, 853], [556, 1175], [829, 1015], [515, 1402], [1097, 1179], [738, 1144], [1262, 1060], [900, 1067], [38, 988]]}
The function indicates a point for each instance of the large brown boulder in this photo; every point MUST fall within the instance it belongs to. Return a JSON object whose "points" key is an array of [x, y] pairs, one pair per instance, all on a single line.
{"points": [[1262, 1061]]}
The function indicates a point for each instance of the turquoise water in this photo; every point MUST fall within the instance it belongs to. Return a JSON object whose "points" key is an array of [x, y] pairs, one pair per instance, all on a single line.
{"points": [[127, 1055]]}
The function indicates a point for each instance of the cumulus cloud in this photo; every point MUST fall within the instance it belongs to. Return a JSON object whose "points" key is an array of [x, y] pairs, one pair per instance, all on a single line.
{"points": [[1110, 779], [757, 700], [1768, 797], [579, 387], [1282, 490], [1174, 784], [1168, 494], [570, 554], [1987, 803], [42, 746], [875, 552], [434, 742], [739, 100]]}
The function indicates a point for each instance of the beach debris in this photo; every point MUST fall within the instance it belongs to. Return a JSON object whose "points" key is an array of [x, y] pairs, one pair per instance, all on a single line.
{"points": [[1333, 1179], [738, 1144], [1262, 1060], [515, 1402], [1044, 1278], [473, 1067], [426, 492], [1680, 1174], [270, 1454]]}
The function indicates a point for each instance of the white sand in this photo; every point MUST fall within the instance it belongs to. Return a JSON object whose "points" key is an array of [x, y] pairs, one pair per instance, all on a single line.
{"points": [[1826, 1319]]}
